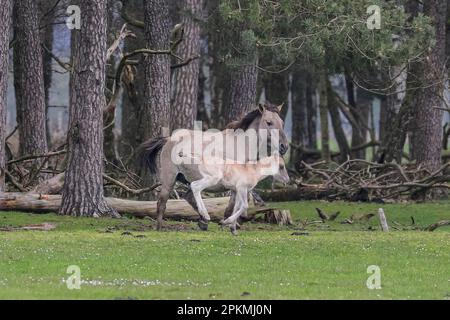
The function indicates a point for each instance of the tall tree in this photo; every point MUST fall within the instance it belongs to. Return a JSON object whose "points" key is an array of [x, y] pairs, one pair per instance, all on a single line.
{"points": [[82, 193], [276, 86], [399, 114], [360, 111], [243, 82], [336, 122], [5, 21], [47, 13], [311, 108], [323, 114], [184, 106], [299, 113], [157, 68], [218, 74], [133, 97], [427, 133], [238, 49], [109, 116], [29, 78]]}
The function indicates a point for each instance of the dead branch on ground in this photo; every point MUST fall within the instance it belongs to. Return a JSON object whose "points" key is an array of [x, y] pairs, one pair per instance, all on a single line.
{"points": [[361, 180]]}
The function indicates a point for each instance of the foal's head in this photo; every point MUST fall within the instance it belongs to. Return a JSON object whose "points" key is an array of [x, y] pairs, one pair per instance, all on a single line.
{"points": [[276, 167]]}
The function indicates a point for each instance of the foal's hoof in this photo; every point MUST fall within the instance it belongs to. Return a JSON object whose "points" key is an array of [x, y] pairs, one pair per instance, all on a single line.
{"points": [[233, 231], [203, 225]]}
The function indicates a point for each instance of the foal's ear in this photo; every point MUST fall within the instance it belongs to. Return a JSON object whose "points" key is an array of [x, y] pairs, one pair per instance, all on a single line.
{"points": [[261, 108], [280, 107]]}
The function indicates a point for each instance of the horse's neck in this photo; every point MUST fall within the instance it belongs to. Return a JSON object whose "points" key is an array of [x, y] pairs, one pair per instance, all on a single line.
{"points": [[254, 125]]}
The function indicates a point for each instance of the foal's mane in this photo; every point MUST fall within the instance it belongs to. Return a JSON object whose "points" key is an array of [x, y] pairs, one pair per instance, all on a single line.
{"points": [[248, 118]]}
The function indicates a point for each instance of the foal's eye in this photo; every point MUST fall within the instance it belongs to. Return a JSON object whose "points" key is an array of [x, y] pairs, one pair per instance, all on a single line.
{"points": [[281, 167], [269, 123]]}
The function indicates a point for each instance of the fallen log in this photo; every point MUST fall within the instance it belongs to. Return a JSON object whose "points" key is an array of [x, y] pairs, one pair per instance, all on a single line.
{"points": [[436, 225], [176, 209]]}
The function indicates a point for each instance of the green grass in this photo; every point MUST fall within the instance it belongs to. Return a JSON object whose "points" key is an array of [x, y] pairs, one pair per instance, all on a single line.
{"points": [[268, 262]]}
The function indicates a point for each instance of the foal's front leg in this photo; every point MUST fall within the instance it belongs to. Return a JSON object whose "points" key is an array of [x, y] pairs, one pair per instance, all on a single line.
{"points": [[240, 207], [197, 187]]}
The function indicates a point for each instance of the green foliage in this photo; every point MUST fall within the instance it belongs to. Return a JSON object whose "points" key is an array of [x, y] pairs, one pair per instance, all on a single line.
{"points": [[334, 32]]}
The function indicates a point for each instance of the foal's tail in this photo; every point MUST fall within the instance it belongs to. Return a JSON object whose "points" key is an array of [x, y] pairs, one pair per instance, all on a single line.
{"points": [[148, 151]]}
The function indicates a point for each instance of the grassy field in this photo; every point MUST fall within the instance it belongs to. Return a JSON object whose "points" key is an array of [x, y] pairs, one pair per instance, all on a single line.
{"points": [[123, 259]]}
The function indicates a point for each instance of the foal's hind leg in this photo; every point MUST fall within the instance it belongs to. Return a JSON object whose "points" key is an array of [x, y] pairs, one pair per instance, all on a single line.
{"points": [[230, 208], [241, 205]]}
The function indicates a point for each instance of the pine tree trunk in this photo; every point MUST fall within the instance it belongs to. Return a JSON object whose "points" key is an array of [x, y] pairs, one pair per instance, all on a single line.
{"points": [[311, 108], [184, 106], [359, 137], [427, 133], [394, 134], [133, 99], [157, 69], [219, 74], [336, 122], [243, 83], [394, 139], [204, 85], [29, 79], [323, 111], [299, 113], [242, 91], [360, 110], [82, 194], [5, 21], [277, 89], [47, 20], [110, 116], [394, 100]]}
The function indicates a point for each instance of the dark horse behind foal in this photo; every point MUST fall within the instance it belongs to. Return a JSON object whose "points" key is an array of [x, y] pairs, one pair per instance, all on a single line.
{"points": [[158, 154]]}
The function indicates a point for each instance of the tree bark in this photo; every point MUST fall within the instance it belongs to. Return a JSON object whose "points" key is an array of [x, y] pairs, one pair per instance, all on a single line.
{"points": [[133, 99], [299, 113], [29, 78], [5, 21], [186, 82], [393, 135], [157, 69], [243, 76], [323, 110], [393, 101], [311, 107], [427, 133], [48, 15], [176, 209], [243, 84], [336, 122], [82, 193], [360, 111], [277, 89], [394, 140], [110, 116]]}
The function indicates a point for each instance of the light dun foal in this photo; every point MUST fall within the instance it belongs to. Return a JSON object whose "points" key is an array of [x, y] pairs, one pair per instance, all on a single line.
{"points": [[240, 178]]}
